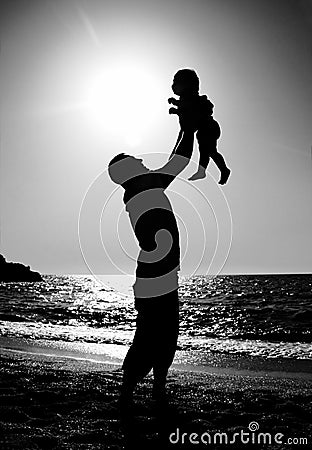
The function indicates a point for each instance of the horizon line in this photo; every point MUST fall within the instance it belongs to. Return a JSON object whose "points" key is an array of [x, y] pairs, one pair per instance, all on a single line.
{"points": [[186, 275]]}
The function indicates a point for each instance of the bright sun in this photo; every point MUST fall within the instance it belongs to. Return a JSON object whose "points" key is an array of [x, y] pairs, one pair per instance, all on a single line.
{"points": [[125, 101]]}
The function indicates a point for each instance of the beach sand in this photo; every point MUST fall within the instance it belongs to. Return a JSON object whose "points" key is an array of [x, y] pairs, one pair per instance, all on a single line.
{"points": [[50, 402]]}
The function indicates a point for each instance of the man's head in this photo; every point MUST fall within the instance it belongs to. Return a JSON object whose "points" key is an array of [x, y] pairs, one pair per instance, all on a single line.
{"points": [[123, 168], [185, 81]]}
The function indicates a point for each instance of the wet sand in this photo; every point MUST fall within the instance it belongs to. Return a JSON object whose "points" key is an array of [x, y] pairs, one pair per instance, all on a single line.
{"points": [[50, 402]]}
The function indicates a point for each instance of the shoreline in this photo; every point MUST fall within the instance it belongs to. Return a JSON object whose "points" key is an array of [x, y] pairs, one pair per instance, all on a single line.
{"points": [[113, 354]]}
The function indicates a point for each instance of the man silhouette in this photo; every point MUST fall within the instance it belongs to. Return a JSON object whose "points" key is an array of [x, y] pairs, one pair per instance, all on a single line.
{"points": [[156, 286]]}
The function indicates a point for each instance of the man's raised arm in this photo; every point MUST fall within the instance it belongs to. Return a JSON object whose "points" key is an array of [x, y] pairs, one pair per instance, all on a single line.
{"points": [[181, 157]]}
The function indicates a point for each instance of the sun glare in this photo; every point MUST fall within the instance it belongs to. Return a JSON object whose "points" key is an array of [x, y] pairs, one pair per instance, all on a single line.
{"points": [[125, 101]]}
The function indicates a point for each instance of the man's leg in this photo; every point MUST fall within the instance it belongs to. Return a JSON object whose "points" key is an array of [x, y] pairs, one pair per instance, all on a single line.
{"points": [[154, 344], [166, 337], [137, 363]]}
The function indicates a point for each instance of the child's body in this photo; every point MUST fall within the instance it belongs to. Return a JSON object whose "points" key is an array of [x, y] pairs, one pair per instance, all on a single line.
{"points": [[186, 86]]}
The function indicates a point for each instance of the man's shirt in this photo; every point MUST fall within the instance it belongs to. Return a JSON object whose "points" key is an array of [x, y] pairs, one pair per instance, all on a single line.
{"points": [[154, 223], [156, 230]]}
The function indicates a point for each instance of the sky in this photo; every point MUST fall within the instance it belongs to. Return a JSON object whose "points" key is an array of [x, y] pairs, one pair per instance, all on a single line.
{"points": [[84, 80]]}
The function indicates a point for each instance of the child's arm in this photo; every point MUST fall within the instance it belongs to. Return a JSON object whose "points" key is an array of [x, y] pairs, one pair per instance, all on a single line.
{"points": [[173, 101], [205, 106]]}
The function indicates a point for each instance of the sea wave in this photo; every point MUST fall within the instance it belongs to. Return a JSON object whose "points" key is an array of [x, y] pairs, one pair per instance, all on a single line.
{"points": [[267, 314]]}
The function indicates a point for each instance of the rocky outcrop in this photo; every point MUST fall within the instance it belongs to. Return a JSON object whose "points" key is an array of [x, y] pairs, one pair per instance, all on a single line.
{"points": [[10, 271]]}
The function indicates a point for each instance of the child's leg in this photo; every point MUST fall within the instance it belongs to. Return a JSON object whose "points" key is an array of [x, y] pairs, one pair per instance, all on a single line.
{"points": [[204, 157], [207, 142], [220, 163]]}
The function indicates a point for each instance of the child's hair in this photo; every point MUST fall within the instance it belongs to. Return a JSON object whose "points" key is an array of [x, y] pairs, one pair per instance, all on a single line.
{"points": [[188, 76]]}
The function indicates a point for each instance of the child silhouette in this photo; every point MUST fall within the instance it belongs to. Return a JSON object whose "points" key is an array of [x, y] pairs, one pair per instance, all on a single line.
{"points": [[192, 105]]}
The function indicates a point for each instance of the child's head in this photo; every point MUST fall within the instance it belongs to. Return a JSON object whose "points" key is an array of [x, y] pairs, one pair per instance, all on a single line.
{"points": [[185, 81]]}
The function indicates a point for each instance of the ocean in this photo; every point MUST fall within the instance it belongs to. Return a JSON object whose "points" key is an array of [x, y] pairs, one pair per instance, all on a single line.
{"points": [[267, 316]]}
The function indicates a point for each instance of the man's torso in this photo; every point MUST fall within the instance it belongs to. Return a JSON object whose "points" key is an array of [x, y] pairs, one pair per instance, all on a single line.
{"points": [[156, 230]]}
